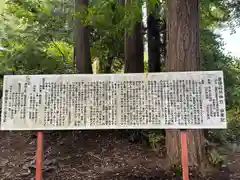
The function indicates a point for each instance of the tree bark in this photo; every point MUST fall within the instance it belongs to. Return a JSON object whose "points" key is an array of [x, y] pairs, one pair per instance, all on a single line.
{"points": [[154, 64], [82, 47], [133, 49], [183, 54]]}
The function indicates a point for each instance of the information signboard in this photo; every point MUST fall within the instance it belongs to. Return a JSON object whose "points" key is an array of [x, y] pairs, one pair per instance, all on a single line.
{"points": [[169, 100]]}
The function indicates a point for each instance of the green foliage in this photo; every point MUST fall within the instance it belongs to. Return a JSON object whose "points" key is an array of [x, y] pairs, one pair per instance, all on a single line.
{"points": [[232, 133], [156, 140], [215, 158], [145, 66], [36, 34], [107, 32], [214, 13], [49, 21], [214, 59], [34, 59]]}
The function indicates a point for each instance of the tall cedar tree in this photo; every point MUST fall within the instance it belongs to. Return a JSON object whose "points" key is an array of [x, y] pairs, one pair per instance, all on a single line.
{"points": [[153, 34], [82, 46], [183, 54], [133, 49]]}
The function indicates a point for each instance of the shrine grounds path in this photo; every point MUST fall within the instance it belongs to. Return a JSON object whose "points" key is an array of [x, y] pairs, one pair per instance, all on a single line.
{"points": [[100, 155]]}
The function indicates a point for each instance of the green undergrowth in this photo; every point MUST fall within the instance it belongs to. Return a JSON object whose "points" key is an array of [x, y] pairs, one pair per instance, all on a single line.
{"points": [[231, 135]]}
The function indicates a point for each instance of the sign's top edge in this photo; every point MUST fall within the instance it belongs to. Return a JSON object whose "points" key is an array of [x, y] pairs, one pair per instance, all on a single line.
{"points": [[122, 74]]}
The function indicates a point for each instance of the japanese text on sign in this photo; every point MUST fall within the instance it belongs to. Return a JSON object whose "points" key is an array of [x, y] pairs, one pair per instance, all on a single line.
{"points": [[114, 101]]}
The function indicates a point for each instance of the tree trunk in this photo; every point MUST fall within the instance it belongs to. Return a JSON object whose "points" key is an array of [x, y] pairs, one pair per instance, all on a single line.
{"points": [[133, 50], [154, 64], [82, 47], [183, 52]]}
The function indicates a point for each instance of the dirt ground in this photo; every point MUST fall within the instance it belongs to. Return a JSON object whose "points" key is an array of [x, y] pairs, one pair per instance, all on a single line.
{"points": [[101, 155]]}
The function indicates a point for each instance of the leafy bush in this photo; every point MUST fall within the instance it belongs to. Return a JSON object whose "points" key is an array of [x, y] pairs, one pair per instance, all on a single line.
{"points": [[232, 133], [233, 130], [215, 158], [156, 140]]}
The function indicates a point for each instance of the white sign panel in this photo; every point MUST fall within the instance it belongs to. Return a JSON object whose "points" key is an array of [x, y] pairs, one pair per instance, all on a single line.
{"points": [[174, 100]]}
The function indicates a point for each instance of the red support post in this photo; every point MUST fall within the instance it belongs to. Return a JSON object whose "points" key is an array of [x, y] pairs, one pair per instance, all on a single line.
{"points": [[184, 157], [39, 156]]}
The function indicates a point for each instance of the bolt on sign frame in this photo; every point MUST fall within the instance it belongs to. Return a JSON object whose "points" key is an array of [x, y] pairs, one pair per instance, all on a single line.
{"points": [[169, 100]]}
